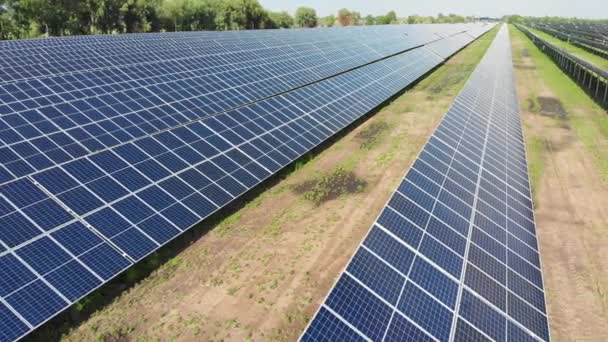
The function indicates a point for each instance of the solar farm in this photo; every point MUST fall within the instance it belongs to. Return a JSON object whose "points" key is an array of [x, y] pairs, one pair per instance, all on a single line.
{"points": [[372, 183]]}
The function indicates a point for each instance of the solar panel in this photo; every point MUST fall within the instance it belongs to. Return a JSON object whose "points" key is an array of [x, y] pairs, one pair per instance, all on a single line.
{"points": [[453, 256], [53, 111], [90, 187]]}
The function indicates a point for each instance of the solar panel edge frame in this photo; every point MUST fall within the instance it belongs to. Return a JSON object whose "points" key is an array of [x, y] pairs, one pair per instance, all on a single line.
{"points": [[81, 220], [343, 270]]}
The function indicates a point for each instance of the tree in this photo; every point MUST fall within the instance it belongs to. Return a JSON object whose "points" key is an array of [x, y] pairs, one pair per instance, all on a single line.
{"points": [[109, 16], [328, 21], [355, 18], [281, 19], [242, 14], [515, 19], [140, 15], [370, 20], [306, 17], [345, 17], [389, 18], [51, 17], [202, 15], [175, 10], [6, 23]]}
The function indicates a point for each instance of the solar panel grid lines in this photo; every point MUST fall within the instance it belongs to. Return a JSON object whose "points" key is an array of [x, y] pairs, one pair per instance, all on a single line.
{"points": [[477, 267], [104, 130], [18, 141], [84, 220], [254, 46], [471, 219]]}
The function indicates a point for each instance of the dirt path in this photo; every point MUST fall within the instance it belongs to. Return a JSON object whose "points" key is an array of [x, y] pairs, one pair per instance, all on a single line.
{"points": [[571, 199], [261, 273]]}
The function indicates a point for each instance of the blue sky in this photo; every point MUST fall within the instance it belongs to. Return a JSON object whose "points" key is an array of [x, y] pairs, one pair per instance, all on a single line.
{"points": [[494, 8]]}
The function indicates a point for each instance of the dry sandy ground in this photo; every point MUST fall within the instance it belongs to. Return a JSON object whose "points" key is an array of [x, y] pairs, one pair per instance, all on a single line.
{"points": [[571, 199], [261, 273]]}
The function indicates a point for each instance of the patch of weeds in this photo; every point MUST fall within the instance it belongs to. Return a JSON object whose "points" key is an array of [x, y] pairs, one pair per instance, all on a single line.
{"points": [[371, 135], [533, 104], [215, 282], [300, 163], [228, 224], [91, 300], [117, 334], [167, 270], [328, 186], [232, 324]]}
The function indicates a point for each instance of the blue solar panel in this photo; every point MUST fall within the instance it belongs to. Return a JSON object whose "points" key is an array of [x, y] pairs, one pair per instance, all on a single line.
{"points": [[453, 256], [113, 146]]}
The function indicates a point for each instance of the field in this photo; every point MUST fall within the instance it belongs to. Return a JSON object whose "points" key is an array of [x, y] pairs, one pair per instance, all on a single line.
{"points": [[568, 160], [259, 270]]}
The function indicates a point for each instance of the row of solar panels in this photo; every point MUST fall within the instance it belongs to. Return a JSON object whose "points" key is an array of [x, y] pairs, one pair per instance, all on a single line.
{"points": [[453, 256], [50, 120], [105, 51], [74, 218], [271, 37]]}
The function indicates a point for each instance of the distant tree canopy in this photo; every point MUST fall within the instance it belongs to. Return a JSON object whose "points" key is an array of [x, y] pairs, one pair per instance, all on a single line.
{"points": [[281, 19], [328, 21], [34, 18], [306, 17], [345, 17], [389, 18]]}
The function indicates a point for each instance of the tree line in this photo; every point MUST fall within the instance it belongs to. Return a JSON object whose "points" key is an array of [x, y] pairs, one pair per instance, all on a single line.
{"points": [[35, 18]]}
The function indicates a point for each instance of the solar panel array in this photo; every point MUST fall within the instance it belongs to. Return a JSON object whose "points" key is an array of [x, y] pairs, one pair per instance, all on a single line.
{"points": [[113, 146], [453, 256]]}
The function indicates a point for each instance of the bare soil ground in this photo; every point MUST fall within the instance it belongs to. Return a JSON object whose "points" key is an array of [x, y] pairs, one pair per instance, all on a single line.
{"points": [[261, 273], [571, 197]]}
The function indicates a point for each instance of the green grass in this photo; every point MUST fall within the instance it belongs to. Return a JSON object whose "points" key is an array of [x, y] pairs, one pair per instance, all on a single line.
{"points": [[575, 50], [331, 185], [450, 78], [589, 120], [372, 134]]}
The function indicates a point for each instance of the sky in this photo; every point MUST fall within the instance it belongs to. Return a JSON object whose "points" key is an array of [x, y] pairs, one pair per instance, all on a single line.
{"points": [[491, 8]]}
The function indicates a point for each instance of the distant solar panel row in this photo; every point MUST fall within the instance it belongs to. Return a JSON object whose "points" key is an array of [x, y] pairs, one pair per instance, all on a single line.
{"points": [[89, 212], [55, 118], [99, 52], [453, 256]]}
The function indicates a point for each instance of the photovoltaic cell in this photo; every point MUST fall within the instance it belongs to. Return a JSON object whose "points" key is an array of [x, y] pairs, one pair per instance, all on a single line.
{"points": [[458, 232], [111, 146]]}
